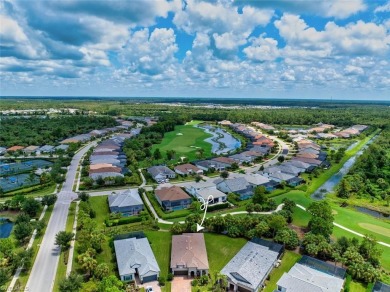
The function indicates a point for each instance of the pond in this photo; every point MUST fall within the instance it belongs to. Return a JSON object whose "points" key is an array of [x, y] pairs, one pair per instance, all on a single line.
{"points": [[221, 141], [330, 185], [5, 227], [373, 212]]}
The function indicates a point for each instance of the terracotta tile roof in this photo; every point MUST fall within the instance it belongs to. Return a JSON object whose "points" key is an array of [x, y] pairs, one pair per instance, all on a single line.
{"points": [[189, 250], [15, 148], [186, 167], [172, 193], [99, 165], [224, 160], [106, 169]]}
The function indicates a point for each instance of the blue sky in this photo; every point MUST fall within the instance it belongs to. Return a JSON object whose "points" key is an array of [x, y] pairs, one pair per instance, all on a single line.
{"points": [[246, 48]]}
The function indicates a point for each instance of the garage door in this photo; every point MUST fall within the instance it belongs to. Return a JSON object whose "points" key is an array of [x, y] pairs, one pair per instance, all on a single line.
{"points": [[150, 278], [185, 273], [240, 289]]}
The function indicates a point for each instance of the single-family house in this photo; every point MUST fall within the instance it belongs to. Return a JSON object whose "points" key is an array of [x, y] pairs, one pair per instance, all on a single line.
{"points": [[160, 173], [311, 161], [187, 169], [135, 257], [30, 149], [172, 198], [46, 149], [207, 165], [189, 255], [237, 185], [250, 267], [15, 148], [381, 287], [62, 147], [103, 175], [225, 161], [304, 167], [203, 190], [106, 169], [127, 203], [312, 275], [291, 180], [3, 150]]}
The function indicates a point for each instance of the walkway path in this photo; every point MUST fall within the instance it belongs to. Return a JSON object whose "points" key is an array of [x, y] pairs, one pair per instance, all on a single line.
{"points": [[349, 230], [45, 266]]}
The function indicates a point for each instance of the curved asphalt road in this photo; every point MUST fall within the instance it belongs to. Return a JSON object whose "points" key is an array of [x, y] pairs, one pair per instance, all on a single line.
{"points": [[44, 270]]}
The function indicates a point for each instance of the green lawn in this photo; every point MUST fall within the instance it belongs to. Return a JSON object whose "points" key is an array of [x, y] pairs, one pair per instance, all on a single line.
{"points": [[221, 249], [161, 245], [185, 144], [288, 260], [347, 217], [100, 206]]}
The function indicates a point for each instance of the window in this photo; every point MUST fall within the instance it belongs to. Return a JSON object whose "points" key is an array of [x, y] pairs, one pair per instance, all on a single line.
{"points": [[127, 277]]}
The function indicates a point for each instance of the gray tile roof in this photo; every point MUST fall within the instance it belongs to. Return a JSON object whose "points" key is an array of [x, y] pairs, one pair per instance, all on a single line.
{"points": [[305, 279], [236, 184], [156, 170], [251, 265], [281, 176], [132, 253], [127, 198], [46, 148]]}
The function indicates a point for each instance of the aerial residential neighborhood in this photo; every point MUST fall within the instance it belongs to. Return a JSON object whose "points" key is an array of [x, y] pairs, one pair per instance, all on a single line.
{"points": [[195, 146]]}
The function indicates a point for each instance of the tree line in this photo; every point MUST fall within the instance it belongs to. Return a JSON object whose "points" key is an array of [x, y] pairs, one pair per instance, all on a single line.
{"points": [[40, 131]]}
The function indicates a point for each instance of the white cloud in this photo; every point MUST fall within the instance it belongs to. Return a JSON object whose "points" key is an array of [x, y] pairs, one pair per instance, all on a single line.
{"points": [[262, 49], [383, 8], [353, 70], [151, 55]]}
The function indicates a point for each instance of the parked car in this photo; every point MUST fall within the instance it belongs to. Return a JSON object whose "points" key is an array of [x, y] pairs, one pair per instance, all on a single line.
{"points": [[149, 289]]}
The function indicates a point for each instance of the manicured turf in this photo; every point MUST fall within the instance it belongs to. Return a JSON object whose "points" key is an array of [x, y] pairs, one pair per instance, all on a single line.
{"points": [[221, 249], [288, 260], [191, 136], [161, 245], [100, 206]]}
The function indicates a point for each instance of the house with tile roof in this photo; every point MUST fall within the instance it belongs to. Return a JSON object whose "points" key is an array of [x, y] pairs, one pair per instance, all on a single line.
{"points": [[30, 149], [15, 148], [127, 203], [160, 173], [172, 198], [135, 257], [187, 169], [250, 267], [202, 190], [305, 277], [189, 255], [237, 185]]}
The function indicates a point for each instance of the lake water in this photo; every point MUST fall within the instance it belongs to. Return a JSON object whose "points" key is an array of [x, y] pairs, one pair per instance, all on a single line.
{"points": [[221, 141], [372, 212], [5, 227], [330, 185]]}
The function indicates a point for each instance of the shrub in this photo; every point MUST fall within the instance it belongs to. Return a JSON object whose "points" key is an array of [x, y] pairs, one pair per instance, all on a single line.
{"points": [[217, 207], [194, 282], [161, 281], [170, 277], [122, 221]]}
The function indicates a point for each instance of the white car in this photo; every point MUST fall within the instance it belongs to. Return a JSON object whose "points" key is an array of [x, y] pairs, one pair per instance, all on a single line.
{"points": [[149, 289]]}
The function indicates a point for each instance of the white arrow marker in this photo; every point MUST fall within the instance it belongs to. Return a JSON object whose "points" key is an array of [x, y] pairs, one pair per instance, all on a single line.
{"points": [[204, 205]]}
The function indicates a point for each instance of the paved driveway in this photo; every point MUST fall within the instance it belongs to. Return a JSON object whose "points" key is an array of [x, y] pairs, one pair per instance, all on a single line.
{"points": [[181, 284], [153, 284]]}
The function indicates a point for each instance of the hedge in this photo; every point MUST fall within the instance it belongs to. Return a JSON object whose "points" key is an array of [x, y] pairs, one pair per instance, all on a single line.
{"points": [[122, 221], [217, 207]]}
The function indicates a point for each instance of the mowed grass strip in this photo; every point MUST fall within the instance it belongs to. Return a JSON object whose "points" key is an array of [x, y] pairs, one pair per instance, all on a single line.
{"points": [[289, 259], [181, 139], [161, 246]]}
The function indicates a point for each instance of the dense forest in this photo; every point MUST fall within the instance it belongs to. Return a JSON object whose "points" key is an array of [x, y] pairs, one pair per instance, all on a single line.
{"points": [[370, 175], [341, 114], [40, 131]]}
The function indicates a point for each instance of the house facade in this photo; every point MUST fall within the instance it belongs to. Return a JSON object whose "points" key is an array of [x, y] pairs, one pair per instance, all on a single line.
{"points": [[172, 198], [189, 255], [128, 203], [134, 256], [160, 173]]}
